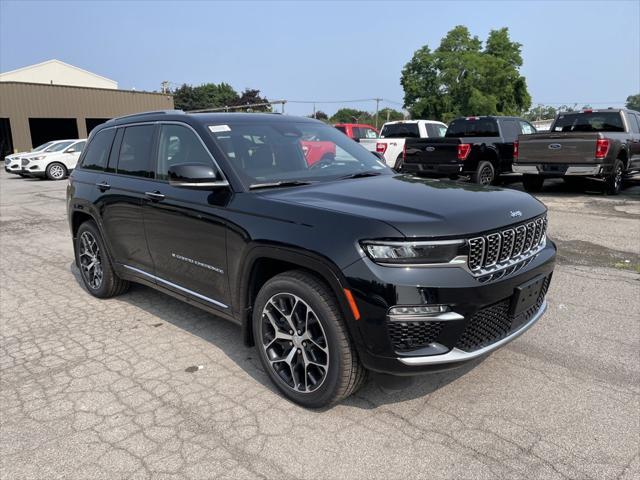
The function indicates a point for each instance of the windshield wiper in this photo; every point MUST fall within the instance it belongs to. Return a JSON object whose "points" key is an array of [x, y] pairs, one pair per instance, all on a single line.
{"points": [[283, 183], [359, 175]]}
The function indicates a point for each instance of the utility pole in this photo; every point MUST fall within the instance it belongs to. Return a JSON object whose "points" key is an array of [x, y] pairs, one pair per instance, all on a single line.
{"points": [[378, 100], [314, 110], [165, 86]]}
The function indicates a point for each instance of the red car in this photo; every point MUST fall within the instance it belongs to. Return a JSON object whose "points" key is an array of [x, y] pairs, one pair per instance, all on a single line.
{"points": [[356, 131], [315, 150]]}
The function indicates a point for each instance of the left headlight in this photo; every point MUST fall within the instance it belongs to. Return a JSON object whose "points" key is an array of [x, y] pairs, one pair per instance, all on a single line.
{"points": [[37, 158], [414, 253]]}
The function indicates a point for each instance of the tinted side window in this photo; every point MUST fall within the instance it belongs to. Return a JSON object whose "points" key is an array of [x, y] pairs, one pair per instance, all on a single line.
{"points": [[510, 130], [98, 150], [135, 151], [177, 145], [634, 122]]}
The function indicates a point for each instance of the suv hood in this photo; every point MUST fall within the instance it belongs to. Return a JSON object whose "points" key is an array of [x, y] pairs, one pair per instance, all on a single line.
{"points": [[418, 207]]}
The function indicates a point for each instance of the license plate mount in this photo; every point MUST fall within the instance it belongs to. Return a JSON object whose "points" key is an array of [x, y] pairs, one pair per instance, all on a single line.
{"points": [[526, 295]]}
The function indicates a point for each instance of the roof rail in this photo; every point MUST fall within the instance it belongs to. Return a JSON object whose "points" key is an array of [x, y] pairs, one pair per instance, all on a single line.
{"points": [[142, 114]]}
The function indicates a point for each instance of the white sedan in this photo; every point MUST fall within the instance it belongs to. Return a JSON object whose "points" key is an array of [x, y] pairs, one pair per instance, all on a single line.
{"points": [[55, 162], [12, 162]]}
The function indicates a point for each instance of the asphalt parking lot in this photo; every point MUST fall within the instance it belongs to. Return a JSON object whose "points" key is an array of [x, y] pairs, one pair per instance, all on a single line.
{"points": [[144, 386]]}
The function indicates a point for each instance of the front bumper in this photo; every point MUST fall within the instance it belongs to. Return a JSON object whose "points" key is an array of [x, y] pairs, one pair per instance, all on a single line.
{"points": [[13, 168], [473, 308], [551, 170]]}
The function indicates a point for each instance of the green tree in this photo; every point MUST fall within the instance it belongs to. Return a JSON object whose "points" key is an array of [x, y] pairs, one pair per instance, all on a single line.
{"points": [[389, 115], [351, 115], [540, 112], [252, 96], [633, 102], [208, 95], [461, 78], [320, 115]]}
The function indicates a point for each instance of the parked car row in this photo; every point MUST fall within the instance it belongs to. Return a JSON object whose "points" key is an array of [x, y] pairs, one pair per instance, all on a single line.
{"points": [[53, 160], [601, 145]]}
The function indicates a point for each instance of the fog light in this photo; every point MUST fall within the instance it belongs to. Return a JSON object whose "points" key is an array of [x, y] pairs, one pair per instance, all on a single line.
{"points": [[422, 310]]}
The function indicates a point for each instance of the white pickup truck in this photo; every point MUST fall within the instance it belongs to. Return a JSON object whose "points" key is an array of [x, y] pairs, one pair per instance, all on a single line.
{"points": [[393, 134]]}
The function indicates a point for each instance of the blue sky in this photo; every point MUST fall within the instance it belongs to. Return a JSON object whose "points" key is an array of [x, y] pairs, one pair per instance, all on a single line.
{"points": [[584, 52]]}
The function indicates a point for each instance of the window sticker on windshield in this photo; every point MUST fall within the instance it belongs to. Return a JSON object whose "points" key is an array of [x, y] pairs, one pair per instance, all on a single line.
{"points": [[219, 128]]}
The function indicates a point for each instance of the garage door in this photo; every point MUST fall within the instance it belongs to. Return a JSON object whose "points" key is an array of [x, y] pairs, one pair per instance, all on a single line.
{"points": [[46, 129]]}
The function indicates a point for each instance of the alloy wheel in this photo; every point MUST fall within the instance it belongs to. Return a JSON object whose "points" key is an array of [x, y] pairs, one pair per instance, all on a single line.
{"points": [[56, 171], [617, 178], [90, 261], [294, 342], [486, 175]]}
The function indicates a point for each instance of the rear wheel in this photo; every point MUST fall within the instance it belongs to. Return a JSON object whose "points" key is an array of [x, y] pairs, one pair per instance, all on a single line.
{"points": [[95, 266], [613, 181], [485, 174], [532, 183], [56, 171], [302, 341]]}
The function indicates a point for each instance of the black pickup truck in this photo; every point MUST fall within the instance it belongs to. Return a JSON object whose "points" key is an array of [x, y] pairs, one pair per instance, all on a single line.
{"points": [[480, 147], [602, 145]]}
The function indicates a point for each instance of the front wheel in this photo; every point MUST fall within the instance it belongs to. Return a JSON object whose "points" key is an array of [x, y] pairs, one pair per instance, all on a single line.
{"points": [[485, 174], [56, 171], [613, 181], [532, 183], [302, 341]]}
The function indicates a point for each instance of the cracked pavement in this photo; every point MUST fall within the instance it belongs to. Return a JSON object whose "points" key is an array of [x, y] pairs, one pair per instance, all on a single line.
{"points": [[143, 386]]}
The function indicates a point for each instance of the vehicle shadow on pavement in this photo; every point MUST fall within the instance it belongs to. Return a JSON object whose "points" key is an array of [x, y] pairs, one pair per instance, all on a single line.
{"points": [[226, 336], [558, 187]]}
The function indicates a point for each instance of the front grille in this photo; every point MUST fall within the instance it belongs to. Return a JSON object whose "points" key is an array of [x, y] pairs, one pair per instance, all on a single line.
{"points": [[407, 336], [494, 323], [25, 162], [501, 248]]}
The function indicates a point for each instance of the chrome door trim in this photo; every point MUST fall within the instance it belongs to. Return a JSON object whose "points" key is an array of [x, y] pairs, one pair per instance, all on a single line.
{"points": [[178, 287]]}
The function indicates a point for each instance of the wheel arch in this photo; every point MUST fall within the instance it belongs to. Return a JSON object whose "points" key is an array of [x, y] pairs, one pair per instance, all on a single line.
{"points": [[264, 262]]}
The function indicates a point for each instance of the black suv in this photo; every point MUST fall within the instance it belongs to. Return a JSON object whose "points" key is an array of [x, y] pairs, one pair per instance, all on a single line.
{"points": [[332, 268]]}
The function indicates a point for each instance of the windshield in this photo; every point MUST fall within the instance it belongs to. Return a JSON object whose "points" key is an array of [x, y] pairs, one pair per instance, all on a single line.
{"points": [[589, 122], [272, 152], [400, 130], [39, 148], [473, 127], [58, 146]]}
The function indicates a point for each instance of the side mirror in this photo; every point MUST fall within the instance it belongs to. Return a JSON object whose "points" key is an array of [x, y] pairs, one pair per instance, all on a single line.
{"points": [[70, 150], [195, 175]]}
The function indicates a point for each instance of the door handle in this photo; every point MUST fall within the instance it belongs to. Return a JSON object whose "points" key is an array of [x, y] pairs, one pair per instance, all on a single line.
{"points": [[155, 196], [103, 186]]}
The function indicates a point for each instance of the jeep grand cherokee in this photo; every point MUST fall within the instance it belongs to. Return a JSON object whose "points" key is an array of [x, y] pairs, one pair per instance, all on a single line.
{"points": [[331, 269]]}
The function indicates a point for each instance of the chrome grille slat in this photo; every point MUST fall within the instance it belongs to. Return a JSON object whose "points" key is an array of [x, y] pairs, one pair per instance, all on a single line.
{"points": [[493, 249], [499, 250]]}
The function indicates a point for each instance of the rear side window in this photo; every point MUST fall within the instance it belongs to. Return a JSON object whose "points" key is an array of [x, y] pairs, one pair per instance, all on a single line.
{"points": [[435, 131], [510, 130], [634, 122], [135, 151], [98, 150], [589, 122], [342, 129], [177, 145], [473, 127]]}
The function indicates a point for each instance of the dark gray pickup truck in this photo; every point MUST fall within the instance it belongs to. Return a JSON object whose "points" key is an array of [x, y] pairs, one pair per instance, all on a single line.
{"points": [[598, 144]]}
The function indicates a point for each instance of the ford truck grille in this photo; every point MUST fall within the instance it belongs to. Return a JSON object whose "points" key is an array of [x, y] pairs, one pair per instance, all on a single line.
{"points": [[495, 250]]}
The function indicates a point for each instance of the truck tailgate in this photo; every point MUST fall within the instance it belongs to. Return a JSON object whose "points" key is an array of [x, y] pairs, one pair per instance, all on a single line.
{"points": [[574, 148], [431, 150]]}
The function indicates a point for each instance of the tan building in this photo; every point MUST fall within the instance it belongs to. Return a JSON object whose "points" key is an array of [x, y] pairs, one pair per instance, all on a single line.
{"points": [[35, 105]]}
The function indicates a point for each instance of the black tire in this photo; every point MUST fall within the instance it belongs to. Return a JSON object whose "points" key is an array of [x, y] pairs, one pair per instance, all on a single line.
{"points": [[110, 285], [613, 181], [485, 174], [532, 183], [398, 165], [344, 373], [56, 171]]}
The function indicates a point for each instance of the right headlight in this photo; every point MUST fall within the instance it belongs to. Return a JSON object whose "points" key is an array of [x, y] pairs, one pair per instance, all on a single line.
{"points": [[414, 252]]}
